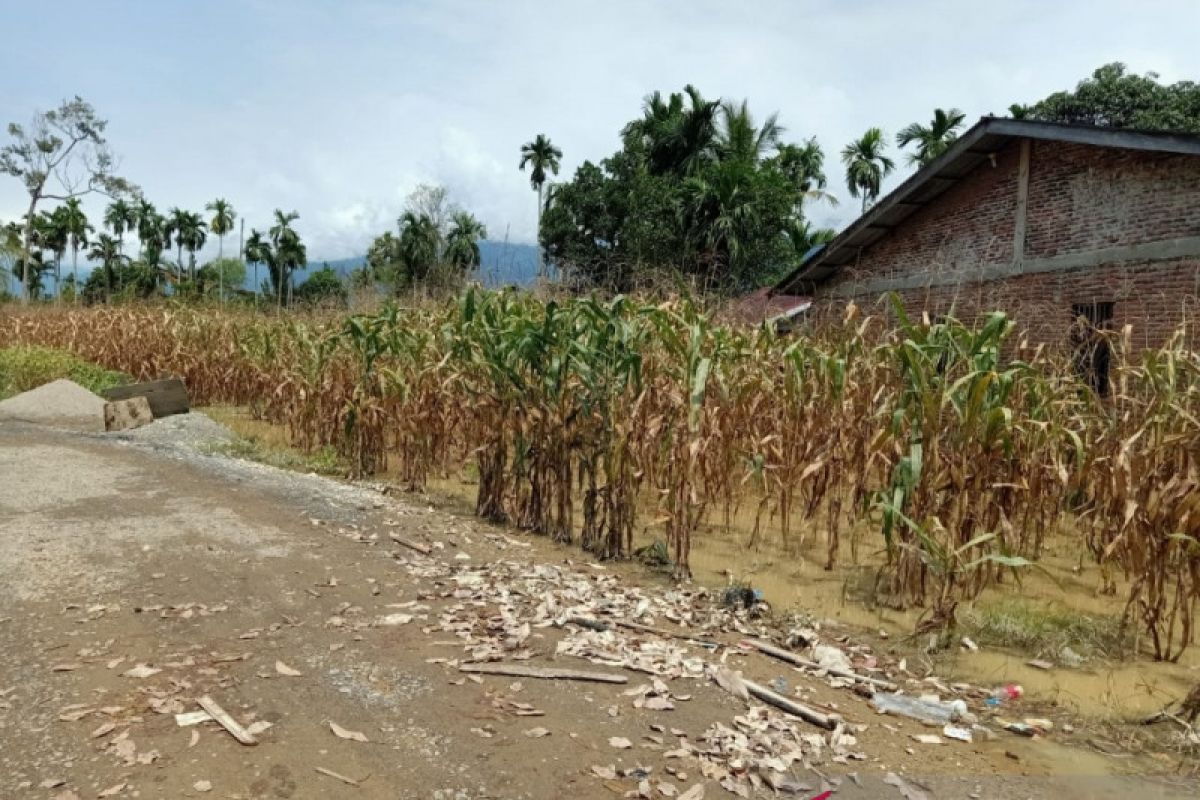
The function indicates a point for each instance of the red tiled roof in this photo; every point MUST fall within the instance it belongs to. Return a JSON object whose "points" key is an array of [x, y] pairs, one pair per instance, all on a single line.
{"points": [[760, 306]]}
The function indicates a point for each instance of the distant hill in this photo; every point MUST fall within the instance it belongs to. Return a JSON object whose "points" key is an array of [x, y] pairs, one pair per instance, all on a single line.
{"points": [[501, 264]]}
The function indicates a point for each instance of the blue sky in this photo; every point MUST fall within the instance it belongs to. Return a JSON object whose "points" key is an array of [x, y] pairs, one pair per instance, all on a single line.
{"points": [[338, 108]]}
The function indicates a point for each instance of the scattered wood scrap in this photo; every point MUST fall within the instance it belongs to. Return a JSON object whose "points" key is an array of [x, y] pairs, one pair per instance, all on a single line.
{"points": [[549, 673], [225, 721], [338, 776], [792, 658], [810, 715], [165, 397], [420, 548], [602, 625]]}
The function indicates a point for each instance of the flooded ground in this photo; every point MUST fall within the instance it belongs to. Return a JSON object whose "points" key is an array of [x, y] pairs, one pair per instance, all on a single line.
{"points": [[1052, 608]]}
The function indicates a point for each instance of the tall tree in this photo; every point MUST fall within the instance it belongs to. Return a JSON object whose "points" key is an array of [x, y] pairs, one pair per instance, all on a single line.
{"points": [[194, 234], [540, 155], [804, 165], [462, 243], [145, 220], [866, 166], [741, 139], [676, 136], [62, 154], [933, 139], [1116, 98], [286, 252], [50, 236], [255, 251], [120, 217], [419, 244], [176, 227], [223, 217], [107, 251], [75, 226]]}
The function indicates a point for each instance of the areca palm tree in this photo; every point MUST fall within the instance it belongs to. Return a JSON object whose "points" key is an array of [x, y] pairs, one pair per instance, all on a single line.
{"points": [[75, 227], [541, 156], [678, 134], [255, 252], [120, 217], [804, 165], [194, 234], [223, 217], [866, 165], [462, 242], [739, 138], [932, 139], [286, 252], [419, 244], [147, 222], [107, 251]]}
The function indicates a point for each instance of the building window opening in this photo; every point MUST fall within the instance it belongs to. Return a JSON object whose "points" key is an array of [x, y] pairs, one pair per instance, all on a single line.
{"points": [[1090, 348]]}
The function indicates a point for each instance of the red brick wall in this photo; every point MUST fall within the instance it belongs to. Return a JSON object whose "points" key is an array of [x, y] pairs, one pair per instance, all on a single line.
{"points": [[1081, 198]]}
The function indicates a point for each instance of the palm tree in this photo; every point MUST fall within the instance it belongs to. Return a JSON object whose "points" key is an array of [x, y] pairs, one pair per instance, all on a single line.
{"points": [[177, 224], [802, 237], [286, 252], [255, 252], [675, 136], [804, 165], [866, 166], [76, 228], [146, 221], [107, 251], [932, 139], [740, 139], [120, 217], [462, 242], [194, 234], [222, 221], [720, 211], [419, 244], [50, 234], [541, 155]]}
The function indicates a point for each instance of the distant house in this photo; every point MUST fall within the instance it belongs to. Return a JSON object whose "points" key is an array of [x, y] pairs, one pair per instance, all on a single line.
{"points": [[767, 305], [1050, 222]]}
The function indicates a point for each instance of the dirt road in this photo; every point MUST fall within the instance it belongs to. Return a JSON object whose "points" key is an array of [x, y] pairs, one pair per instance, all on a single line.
{"points": [[139, 577]]}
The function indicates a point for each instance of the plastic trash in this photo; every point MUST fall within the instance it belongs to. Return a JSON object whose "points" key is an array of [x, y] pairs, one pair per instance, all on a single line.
{"points": [[1008, 692], [930, 712]]}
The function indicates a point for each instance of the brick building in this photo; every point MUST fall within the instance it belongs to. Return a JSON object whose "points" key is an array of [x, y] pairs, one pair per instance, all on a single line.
{"points": [[1048, 222]]}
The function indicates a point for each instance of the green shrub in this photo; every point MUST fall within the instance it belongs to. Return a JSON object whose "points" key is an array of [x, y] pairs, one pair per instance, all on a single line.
{"points": [[26, 367]]}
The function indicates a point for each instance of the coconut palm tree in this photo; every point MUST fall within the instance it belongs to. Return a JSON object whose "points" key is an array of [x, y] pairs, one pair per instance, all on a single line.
{"points": [[223, 217], [677, 135], [740, 139], [176, 227], [120, 217], [932, 139], [541, 156], [462, 242], [76, 228], [50, 236], [107, 251], [866, 166]]}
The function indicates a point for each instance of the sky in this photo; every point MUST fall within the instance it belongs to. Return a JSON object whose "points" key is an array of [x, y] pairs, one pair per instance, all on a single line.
{"points": [[339, 108]]}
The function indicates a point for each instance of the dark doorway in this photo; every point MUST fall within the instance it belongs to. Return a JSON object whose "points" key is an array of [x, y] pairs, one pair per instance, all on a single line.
{"points": [[1090, 349]]}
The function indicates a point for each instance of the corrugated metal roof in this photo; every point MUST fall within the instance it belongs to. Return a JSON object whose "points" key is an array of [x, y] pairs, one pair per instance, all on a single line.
{"points": [[979, 144]]}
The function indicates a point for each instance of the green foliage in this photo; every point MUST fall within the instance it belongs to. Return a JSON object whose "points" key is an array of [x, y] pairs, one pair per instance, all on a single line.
{"points": [[867, 165], [229, 273], [933, 139], [28, 366], [699, 189], [1113, 97], [322, 286]]}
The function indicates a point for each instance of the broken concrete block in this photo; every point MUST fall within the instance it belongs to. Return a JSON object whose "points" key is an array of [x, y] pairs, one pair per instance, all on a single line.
{"points": [[123, 415]]}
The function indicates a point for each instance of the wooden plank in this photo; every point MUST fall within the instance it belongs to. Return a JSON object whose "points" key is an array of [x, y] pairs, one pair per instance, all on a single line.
{"points": [[227, 722], [420, 548], [166, 396], [792, 658], [549, 673], [810, 715], [1022, 203]]}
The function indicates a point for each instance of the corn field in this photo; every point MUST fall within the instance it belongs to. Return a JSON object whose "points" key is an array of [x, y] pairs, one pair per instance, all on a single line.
{"points": [[955, 449]]}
